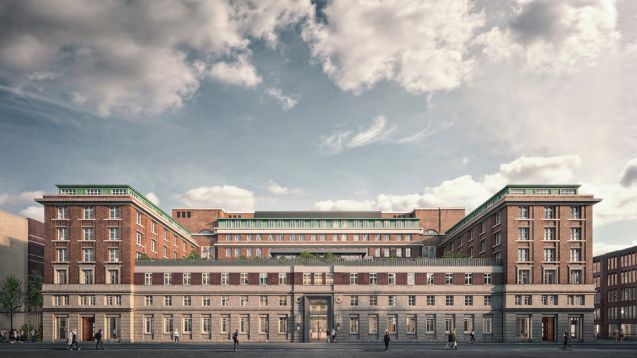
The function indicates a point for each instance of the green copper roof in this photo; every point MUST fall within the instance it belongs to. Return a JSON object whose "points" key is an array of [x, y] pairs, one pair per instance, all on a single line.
{"points": [[112, 189], [514, 189]]}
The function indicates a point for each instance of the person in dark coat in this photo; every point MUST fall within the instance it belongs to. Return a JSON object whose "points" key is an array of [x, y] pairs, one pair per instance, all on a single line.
{"points": [[472, 335], [235, 340], [98, 339], [567, 340], [386, 339]]}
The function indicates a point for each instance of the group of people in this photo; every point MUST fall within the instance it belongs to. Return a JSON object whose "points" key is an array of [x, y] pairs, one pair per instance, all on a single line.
{"points": [[619, 335], [17, 335]]}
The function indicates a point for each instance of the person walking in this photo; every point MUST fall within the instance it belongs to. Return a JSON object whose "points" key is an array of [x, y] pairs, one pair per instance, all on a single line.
{"points": [[567, 340], [455, 340], [386, 339], [74, 345], [235, 340], [176, 335], [333, 334], [621, 335], [449, 341], [98, 339], [472, 336]]}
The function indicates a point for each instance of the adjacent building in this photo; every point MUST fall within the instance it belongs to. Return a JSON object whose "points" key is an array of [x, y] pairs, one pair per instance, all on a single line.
{"points": [[522, 272], [615, 277]]}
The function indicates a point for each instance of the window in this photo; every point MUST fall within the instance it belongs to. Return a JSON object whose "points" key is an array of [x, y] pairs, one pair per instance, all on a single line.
{"points": [[468, 300], [430, 278], [88, 233], [243, 278], [408, 252], [168, 324], [550, 277], [549, 233], [468, 323], [487, 324], [225, 301], [263, 324], [205, 325], [113, 233], [549, 300], [448, 300], [283, 300], [468, 278], [391, 300], [353, 279], [430, 325], [88, 212], [498, 218], [318, 278], [448, 279], [307, 278], [61, 276], [282, 278], [497, 239], [549, 212], [87, 300], [523, 233], [372, 322], [263, 301], [60, 300], [168, 278], [523, 212], [524, 276], [487, 279], [353, 324], [153, 245], [373, 278], [187, 324], [329, 278], [62, 233], [93, 191], [187, 300], [205, 301], [449, 323], [487, 300], [243, 301], [373, 300], [576, 277], [224, 324], [523, 300], [391, 278], [205, 278], [576, 255], [186, 279], [148, 278], [139, 239], [431, 300], [225, 278], [114, 212], [263, 278], [575, 300], [112, 276], [411, 324], [111, 300], [523, 255], [63, 212], [153, 227], [139, 217], [576, 212], [542, 192], [411, 300], [392, 319], [62, 254], [411, 278], [549, 255], [576, 233], [87, 277]]}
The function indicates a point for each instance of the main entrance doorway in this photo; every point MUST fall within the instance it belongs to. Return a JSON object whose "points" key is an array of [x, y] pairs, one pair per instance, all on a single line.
{"points": [[88, 324], [317, 313], [548, 329]]}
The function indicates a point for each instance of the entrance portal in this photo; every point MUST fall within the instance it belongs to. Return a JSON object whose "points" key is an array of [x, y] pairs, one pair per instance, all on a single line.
{"points": [[318, 322], [88, 324], [548, 329]]}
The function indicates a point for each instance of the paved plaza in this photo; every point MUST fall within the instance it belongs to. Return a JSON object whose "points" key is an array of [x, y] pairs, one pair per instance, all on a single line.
{"points": [[610, 350]]}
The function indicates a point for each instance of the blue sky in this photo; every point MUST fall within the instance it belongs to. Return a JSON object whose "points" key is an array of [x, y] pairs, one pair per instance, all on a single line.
{"points": [[368, 105]]}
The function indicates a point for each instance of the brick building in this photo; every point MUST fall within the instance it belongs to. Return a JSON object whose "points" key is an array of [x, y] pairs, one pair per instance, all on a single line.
{"points": [[371, 270], [615, 277]]}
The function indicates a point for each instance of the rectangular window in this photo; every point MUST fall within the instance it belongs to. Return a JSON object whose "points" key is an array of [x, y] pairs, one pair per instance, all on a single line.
{"points": [[187, 300], [307, 278], [431, 300], [114, 212], [391, 300], [187, 325], [263, 301], [411, 324], [263, 324], [412, 300], [186, 279], [329, 278], [372, 322], [87, 300], [243, 301], [89, 212], [168, 278], [373, 300], [168, 325], [205, 301], [282, 278], [487, 300], [497, 239], [550, 277], [576, 277], [87, 277], [468, 278], [205, 278], [524, 277], [411, 278], [353, 324], [62, 233], [112, 276], [576, 212], [205, 325], [93, 191], [224, 324], [283, 300], [487, 279], [448, 300], [61, 276], [487, 324], [353, 279], [549, 234], [139, 218], [148, 278], [62, 212], [549, 255], [523, 233], [88, 233], [243, 278], [263, 278], [373, 278], [549, 212], [60, 300], [225, 279], [62, 254], [523, 255], [139, 239], [430, 278], [111, 300], [430, 325], [468, 300], [523, 212], [392, 320], [576, 233], [391, 278], [225, 301], [448, 279], [113, 233], [576, 254], [318, 278]]}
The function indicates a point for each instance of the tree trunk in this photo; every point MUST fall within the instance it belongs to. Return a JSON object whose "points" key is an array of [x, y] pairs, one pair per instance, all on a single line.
{"points": [[11, 318]]}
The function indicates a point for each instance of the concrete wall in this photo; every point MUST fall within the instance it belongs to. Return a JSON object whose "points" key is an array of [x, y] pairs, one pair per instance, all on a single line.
{"points": [[14, 237]]}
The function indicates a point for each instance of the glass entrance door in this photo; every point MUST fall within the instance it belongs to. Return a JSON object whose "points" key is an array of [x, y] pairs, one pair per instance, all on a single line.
{"points": [[318, 328]]}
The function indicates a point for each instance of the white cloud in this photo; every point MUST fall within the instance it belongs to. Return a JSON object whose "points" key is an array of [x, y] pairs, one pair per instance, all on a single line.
{"points": [[466, 191], [629, 174], [239, 73], [228, 197], [276, 189], [286, 102], [422, 46], [600, 247], [123, 57], [34, 212], [153, 197], [377, 132], [555, 36], [25, 197]]}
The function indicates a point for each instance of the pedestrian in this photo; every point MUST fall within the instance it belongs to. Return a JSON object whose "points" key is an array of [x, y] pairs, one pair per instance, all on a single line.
{"points": [[616, 335], [386, 339], [567, 341], [21, 335], [74, 344], [327, 333], [1, 335], [621, 335], [98, 339], [449, 341], [235, 340], [472, 336], [455, 340], [333, 335], [34, 334], [176, 335]]}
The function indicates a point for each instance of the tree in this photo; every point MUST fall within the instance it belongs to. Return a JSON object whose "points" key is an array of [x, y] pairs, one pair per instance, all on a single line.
{"points": [[11, 297], [307, 255], [454, 255], [34, 292], [194, 254], [143, 256]]}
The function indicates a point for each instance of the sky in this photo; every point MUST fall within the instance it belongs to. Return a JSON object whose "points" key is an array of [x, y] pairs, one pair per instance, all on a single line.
{"points": [[322, 105]]}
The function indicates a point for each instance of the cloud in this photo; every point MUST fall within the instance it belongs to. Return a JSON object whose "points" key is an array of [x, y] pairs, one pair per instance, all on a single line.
{"points": [[377, 132], [135, 58], [25, 197], [275, 188], [629, 174], [286, 102], [555, 36], [421, 46], [600, 247], [240, 73], [34, 212], [467, 191], [153, 197], [228, 197]]}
